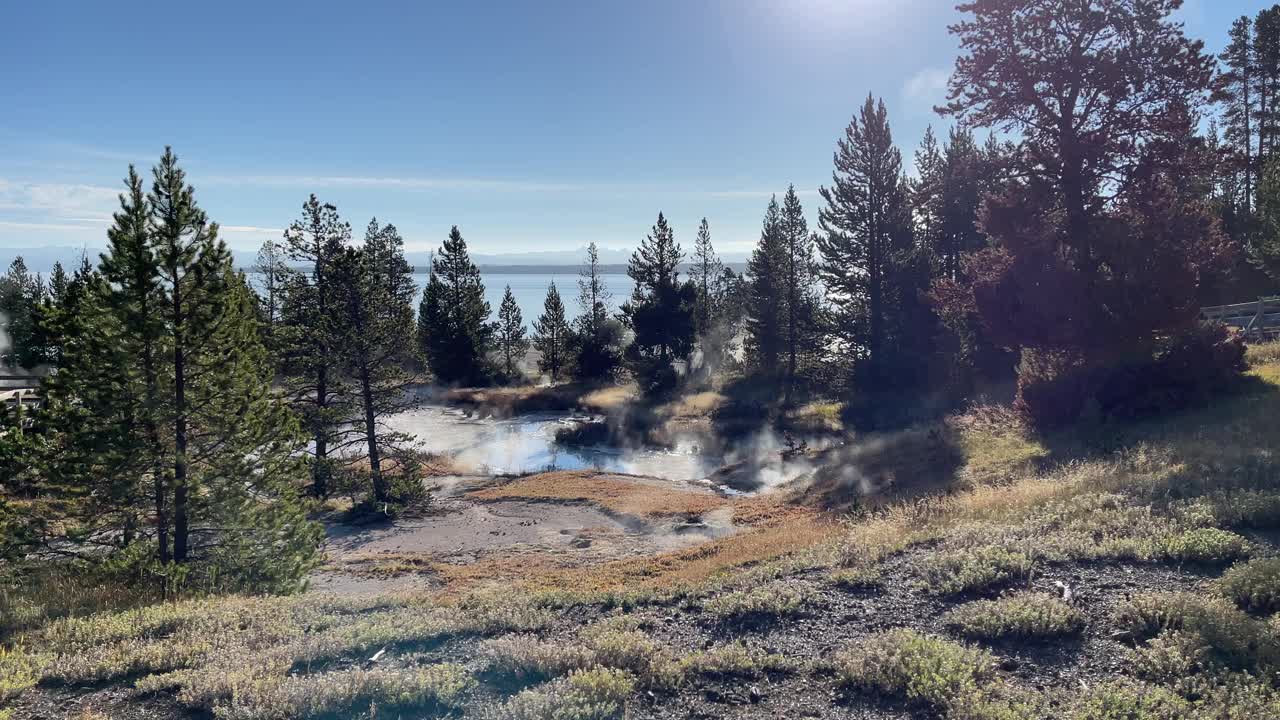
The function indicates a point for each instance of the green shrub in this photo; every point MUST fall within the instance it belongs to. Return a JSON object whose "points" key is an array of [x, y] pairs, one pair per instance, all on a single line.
{"points": [[1129, 701], [526, 659], [759, 605], [17, 672], [1209, 546], [958, 571], [636, 653], [959, 680], [857, 579], [736, 660], [1233, 639], [1025, 615], [596, 694], [1168, 657], [1254, 585]]}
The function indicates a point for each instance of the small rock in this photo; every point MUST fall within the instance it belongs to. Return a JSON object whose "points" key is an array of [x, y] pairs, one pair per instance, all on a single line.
{"points": [[1009, 664], [755, 695]]}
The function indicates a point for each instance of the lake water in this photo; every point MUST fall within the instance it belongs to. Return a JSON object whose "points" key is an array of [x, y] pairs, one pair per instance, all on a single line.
{"points": [[530, 289]]}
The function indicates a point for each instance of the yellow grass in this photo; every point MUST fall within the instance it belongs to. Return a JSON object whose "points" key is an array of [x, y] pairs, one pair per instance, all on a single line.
{"points": [[613, 493], [693, 406], [606, 399]]}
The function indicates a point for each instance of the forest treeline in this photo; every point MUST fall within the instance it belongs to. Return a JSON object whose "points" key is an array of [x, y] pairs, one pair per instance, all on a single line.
{"points": [[1103, 178]]}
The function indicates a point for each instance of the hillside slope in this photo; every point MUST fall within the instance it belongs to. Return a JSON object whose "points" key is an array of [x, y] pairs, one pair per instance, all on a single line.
{"points": [[1124, 572]]}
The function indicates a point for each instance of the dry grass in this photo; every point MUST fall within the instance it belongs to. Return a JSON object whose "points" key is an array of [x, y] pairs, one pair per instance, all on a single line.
{"points": [[606, 399], [698, 405], [613, 493]]}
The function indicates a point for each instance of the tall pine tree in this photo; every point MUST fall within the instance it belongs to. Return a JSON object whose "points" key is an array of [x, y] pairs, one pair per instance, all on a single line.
{"points": [[377, 292], [766, 294], [866, 237], [598, 336], [552, 336], [511, 334], [660, 311], [707, 272], [454, 331], [314, 332], [800, 289]]}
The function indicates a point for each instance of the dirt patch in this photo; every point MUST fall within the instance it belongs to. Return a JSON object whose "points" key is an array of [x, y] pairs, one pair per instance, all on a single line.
{"points": [[545, 524]]}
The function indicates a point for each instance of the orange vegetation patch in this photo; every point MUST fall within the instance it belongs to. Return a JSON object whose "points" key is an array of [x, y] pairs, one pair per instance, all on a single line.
{"points": [[688, 567], [616, 493]]}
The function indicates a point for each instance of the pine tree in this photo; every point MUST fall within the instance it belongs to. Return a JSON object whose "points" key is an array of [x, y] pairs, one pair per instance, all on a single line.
{"points": [[552, 335], [162, 418], [131, 291], [661, 310], [866, 232], [377, 310], [454, 331], [313, 333], [273, 276], [597, 334], [1266, 73], [511, 333], [1237, 92], [707, 273], [945, 199], [799, 284], [766, 294], [21, 294]]}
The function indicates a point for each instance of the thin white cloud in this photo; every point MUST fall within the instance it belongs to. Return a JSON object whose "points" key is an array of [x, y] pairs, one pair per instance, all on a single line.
{"points": [[249, 229], [407, 183], [52, 227], [759, 193], [62, 200], [927, 84], [471, 184]]}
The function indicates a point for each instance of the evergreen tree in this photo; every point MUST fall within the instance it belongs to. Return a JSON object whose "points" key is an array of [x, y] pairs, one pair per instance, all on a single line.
{"points": [[273, 276], [598, 336], [707, 274], [58, 284], [1237, 92], [453, 328], [163, 419], [765, 296], [511, 334], [552, 335], [800, 290], [21, 294], [1266, 73], [106, 467], [313, 332], [661, 310], [131, 291], [866, 245], [377, 293]]}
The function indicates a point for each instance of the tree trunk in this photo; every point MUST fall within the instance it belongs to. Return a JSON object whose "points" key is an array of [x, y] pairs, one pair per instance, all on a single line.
{"points": [[153, 439], [320, 469], [180, 490], [381, 493]]}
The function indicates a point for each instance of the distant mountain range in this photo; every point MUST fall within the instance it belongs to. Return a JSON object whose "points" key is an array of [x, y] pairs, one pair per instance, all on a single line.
{"points": [[41, 259]]}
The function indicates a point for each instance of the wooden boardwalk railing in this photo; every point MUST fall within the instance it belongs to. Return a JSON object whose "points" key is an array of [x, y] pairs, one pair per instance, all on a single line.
{"points": [[1256, 320]]}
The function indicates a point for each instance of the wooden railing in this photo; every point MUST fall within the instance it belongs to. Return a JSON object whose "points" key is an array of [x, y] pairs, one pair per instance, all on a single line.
{"points": [[1257, 319]]}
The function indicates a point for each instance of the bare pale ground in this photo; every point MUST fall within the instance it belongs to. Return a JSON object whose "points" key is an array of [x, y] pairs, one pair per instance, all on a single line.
{"points": [[536, 527]]}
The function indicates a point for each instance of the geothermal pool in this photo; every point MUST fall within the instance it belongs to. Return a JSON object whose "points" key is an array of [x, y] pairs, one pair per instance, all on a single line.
{"points": [[526, 443]]}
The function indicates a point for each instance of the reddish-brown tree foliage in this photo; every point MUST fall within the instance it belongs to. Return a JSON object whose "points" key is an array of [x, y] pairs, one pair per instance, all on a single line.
{"points": [[1102, 234]]}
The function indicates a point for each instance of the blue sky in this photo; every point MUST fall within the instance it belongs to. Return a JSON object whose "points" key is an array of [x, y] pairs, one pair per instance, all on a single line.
{"points": [[531, 125]]}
